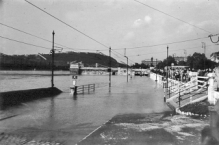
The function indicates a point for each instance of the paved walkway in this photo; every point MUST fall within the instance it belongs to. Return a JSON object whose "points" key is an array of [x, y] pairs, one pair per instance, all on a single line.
{"points": [[148, 129]]}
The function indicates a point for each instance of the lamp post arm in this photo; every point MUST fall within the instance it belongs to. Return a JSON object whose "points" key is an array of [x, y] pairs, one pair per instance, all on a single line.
{"points": [[212, 40]]}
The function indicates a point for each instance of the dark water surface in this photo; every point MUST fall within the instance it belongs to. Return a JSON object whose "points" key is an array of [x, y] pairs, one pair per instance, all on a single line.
{"points": [[69, 120]]}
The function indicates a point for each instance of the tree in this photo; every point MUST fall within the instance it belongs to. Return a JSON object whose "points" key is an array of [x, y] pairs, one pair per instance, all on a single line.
{"points": [[189, 62], [181, 63], [160, 65], [169, 61], [197, 61]]}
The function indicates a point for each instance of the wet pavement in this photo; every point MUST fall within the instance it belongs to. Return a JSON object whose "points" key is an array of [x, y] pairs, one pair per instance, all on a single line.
{"points": [[66, 120], [148, 129]]}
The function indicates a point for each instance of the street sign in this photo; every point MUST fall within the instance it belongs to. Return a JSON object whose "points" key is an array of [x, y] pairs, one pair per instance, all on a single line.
{"points": [[74, 69], [74, 77], [74, 66]]}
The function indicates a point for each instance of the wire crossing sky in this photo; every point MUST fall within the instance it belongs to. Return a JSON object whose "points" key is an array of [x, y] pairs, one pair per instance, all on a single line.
{"points": [[143, 27], [172, 16], [67, 24]]}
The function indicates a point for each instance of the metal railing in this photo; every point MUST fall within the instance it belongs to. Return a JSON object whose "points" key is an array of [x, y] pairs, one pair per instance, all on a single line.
{"points": [[83, 89], [192, 95]]}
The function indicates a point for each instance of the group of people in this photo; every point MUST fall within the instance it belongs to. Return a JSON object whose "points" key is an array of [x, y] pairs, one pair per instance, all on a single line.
{"points": [[182, 74]]}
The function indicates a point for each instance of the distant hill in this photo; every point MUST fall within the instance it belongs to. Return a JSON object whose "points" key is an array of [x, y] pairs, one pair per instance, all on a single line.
{"points": [[61, 61], [88, 59]]}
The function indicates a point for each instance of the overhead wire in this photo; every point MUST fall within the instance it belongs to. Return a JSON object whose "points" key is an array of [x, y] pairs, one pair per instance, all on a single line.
{"points": [[67, 24], [123, 56], [24, 42], [172, 16], [168, 43], [41, 38], [169, 50]]}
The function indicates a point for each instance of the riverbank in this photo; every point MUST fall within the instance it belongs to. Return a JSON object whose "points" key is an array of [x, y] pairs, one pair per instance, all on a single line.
{"points": [[32, 72]]}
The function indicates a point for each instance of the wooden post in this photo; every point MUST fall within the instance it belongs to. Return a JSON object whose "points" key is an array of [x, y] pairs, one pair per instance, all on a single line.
{"points": [[179, 97], [110, 69], [53, 51], [88, 88], [75, 90], [167, 71]]}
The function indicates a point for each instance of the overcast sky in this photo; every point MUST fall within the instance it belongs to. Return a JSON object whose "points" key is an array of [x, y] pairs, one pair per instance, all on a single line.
{"points": [[113, 23]]}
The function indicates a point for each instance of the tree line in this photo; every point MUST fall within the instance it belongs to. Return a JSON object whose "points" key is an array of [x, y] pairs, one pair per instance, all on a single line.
{"points": [[194, 62], [61, 61]]}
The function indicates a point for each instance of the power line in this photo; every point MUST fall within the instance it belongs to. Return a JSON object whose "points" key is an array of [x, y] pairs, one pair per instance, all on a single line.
{"points": [[67, 24], [37, 36], [166, 51], [122, 55], [168, 43], [172, 16], [45, 39], [24, 42], [118, 56]]}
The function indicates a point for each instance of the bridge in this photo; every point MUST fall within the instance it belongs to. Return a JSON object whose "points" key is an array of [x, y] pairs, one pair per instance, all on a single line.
{"points": [[115, 71]]}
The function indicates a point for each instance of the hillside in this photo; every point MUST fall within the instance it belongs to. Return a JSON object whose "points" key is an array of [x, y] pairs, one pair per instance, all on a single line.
{"points": [[61, 61]]}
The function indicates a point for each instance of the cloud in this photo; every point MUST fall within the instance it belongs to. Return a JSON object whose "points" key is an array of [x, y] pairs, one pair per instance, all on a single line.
{"points": [[147, 19], [129, 35], [185, 29], [139, 22]]}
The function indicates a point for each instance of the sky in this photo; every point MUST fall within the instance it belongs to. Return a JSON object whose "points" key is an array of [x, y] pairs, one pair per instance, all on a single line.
{"points": [[119, 24]]}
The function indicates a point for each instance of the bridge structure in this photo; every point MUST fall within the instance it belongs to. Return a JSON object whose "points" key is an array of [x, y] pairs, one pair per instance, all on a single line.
{"points": [[114, 71]]}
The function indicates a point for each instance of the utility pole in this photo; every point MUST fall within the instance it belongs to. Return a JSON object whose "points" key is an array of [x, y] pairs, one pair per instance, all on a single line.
{"points": [[127, 69], [156, 70], [127, 65], [167, 66], [109, 69], [166, 75], [204, 46], [52, 51], [185, 59]]}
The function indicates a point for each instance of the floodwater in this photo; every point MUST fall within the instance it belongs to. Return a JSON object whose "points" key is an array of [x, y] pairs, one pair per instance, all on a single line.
{"points": [[69, 120]]}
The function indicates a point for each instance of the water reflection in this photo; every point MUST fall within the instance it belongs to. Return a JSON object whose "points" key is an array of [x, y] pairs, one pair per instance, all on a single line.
{"points": [[70, 118]]}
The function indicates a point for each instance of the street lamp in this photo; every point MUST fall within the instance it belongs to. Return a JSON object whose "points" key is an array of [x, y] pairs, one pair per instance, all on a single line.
{"points": [[204, 46], [156, 70], [127, 67]]}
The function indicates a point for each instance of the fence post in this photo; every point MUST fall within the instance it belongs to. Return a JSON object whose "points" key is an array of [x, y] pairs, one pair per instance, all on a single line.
{"points": [[179, 97], [88, 88], [75, 90], [169, 92], [94, 87]]}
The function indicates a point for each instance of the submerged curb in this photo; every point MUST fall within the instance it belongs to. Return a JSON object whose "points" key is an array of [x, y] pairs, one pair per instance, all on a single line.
{"points": [[189, 113]]}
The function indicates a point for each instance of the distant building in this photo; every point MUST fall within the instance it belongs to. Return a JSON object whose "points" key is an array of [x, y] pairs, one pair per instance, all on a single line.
{"points": [[180, 58], [150, 62]]}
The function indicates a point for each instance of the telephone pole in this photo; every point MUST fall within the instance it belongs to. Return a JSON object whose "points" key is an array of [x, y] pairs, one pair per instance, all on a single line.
{"points": [[52, 51], [167, 66], [204, 46], [109, 69], [127, 65], [156, 70]]}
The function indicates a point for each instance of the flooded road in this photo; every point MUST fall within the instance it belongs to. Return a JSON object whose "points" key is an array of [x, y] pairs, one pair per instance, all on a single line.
{"points": [[69, 120]]}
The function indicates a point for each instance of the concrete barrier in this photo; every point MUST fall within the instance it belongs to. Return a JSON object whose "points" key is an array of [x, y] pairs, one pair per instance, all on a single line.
{"points": [[17, 97]]}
